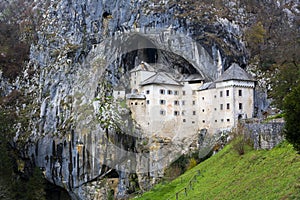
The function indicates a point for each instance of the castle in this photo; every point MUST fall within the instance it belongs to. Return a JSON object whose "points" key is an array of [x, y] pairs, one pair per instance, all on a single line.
{"points": [[181, 105]]}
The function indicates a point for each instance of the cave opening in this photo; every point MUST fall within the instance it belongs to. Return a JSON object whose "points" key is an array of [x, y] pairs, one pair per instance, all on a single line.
{"points": [[54, 192]]}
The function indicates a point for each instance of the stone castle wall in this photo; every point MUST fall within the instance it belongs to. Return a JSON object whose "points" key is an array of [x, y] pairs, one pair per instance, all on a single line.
{"points": [[266, 135]]}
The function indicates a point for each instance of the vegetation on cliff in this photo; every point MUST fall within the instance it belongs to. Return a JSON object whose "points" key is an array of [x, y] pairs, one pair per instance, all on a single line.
{"points": [[262, 174]]}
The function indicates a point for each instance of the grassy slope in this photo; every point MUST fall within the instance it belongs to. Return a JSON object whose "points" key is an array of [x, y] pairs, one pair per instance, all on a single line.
{"points": [[262, 174]]}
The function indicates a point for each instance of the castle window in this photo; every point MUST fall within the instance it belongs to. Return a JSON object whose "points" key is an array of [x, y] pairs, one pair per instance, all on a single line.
{"points": [[161, 91], [221, 106], [203, 110], [184, 120], [221, 93], [183, 92], [215, 96], [194, 102], [215, 109], [228, 120], [216, 121], [175, 92], [148, 92], [183, 102], [203, 121], [193, 122], [162, 101], [131, 103], [228, 106], [176, 113], [202, 98], [227, 93], [136, 103], [222, 120], [170, 92], [194, 92], [183, 112], [240, 93], [142, 103], [176, 103], [162, 112], [194, 112], [240, 106], [148, 101]]}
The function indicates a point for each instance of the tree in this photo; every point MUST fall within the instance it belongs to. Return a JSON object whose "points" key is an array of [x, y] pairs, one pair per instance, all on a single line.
{"points": [[291, 106], [285, 78]]}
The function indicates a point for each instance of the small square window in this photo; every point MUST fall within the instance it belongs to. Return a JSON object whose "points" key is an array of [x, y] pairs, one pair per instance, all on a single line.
{"points": [[240, 93], [215, 96], [170, 92], [161, 91], [175, 92], [176, 113], [228, 120], [240, 106], [194, 102], [183, 112], [184, 120], [148, 101], [193, 122], [162, 101], [216, 121], [215, 109], [148, 92], [227, 93], [228, 106], [203, 110], [194, 92], [176, 103], [222, 120], [183, 92], [194, 112], [221, 93], [202, 98], [162, 112], [203, 121]]}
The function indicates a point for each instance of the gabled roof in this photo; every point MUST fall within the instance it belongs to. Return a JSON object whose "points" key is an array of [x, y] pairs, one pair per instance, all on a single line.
{"points": [[160, 78], [193, 77], [135, 96], [143, 67], [208, 85], [235, 72]]}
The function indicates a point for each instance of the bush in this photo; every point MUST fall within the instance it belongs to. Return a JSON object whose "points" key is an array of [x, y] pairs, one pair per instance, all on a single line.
{"points": [[291, 106], [192, 163], [240, 140]]}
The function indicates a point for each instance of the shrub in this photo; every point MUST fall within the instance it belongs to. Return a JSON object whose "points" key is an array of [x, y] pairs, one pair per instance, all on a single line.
{"points": [[291, 106], [192, 163]]}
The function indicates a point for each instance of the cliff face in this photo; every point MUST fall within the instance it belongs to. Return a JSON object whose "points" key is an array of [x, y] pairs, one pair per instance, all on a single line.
{"points": [[85, 49]]}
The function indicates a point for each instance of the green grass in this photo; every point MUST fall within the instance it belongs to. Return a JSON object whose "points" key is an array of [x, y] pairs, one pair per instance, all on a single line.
{"points": [[263, 174]]}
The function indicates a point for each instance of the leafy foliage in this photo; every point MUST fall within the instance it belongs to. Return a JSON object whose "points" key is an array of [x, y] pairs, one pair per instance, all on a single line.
{"points": [[284, 79], [291, 107]]}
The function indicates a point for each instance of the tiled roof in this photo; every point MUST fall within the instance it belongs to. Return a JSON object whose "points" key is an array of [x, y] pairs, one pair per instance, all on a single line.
{"points": [[143, 67], [135, 96], [235, 72], [160, 78], [193, 77], [208, 85]]}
